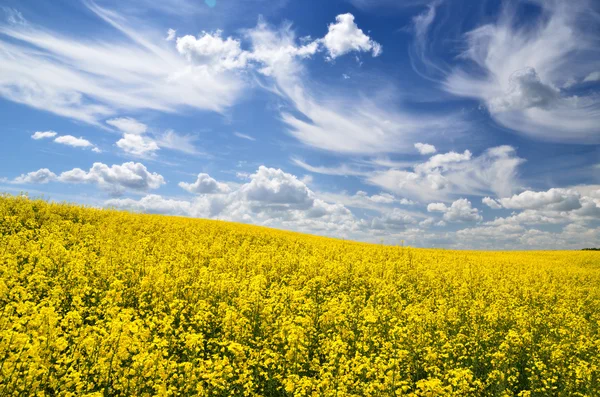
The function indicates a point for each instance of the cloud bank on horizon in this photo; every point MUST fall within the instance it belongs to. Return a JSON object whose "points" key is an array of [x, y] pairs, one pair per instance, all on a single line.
{"points": [[433, 122]]}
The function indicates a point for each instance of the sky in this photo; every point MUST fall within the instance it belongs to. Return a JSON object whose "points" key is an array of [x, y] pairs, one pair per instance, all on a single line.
{"points": [[444, 123]]}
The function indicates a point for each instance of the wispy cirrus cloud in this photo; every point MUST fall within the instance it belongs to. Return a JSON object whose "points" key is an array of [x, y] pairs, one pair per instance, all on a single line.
{"points": [[90, 80], [526, 76], [342, 123]]}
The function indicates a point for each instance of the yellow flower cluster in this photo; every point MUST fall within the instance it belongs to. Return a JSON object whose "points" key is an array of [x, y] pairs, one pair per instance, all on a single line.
{"points": [[98, 302]]}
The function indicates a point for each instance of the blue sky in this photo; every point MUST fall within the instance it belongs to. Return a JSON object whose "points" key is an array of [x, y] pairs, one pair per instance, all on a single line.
{"points": [[452, 124]]}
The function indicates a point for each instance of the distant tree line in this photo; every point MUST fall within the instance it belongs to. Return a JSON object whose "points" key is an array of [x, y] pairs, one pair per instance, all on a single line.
{"points": [[591, 249]]}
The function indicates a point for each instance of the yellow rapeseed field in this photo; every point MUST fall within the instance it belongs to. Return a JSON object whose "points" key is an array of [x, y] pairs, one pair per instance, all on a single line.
{"points": [[100, 302]]}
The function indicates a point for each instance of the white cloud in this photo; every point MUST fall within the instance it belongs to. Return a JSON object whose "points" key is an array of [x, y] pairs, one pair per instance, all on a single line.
{"points": [[490, 202], [461, 211], [115, 178], [521, 70], [205, 185], [421, 25], [244, 136], [274, 198], [555, 206], [553, 199], [136, 142], [513, 237], [212, 50], [277, 52], [525, 91], [392, 221], [337, 122], [43, 175], [382, 198], [13, 17], [532, 217], [89, 80], [153, 204], [437, 207], [594, 76], [171, 33], [443, 161], [344, 36], [70, 140], [379, 203], [43, 135], [128, 125], [274, 187], [452, 174], [137, 145], [425, 148], [341, 170], [271, 197], [174, 141]]}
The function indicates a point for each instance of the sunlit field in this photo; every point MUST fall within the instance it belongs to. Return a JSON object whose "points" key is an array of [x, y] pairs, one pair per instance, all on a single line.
{"points": [[99, 302]]}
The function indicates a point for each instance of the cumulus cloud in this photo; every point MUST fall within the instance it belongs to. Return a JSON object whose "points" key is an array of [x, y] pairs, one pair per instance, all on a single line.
{"points": [[205, 185], [459, 211], [274, 198], [450, 174], [273, 187], [490, 202], [153, 204], [525, 91], [382, 198], [425, 148], [43, 135], [137, 142], [553, 199], [513, 237], [212, 50], [276, 52], [443, 161], [271, 197], [554, 206], [392, 221], [116, 178], [344, 36], [70, 140], [137, 145], [437, 207], [43, 175]]}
